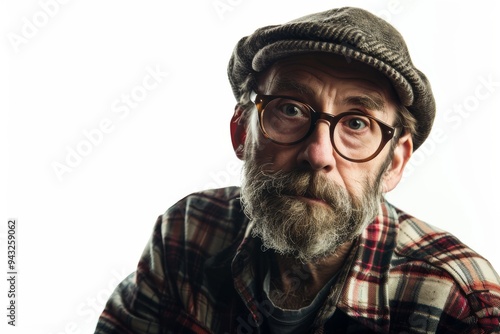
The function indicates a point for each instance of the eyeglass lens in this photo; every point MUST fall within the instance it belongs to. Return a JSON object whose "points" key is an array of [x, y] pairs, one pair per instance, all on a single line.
{"points": [[287, 121]]}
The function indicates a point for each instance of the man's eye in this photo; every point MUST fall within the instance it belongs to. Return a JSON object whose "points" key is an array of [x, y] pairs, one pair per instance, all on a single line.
{"points": [[356, 123], [291, 110]]}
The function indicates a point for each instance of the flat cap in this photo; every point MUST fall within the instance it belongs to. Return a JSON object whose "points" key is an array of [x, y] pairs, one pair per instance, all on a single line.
{"points": [[350, 32]]}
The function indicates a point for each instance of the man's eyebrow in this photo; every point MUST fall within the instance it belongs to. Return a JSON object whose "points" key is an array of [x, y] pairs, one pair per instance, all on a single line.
{"points": [[369, 102], [290, 85]]}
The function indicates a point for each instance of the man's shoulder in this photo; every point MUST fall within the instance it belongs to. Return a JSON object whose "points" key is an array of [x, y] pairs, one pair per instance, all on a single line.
{"points": [[222, 199], [209, 220], [442, 253]]}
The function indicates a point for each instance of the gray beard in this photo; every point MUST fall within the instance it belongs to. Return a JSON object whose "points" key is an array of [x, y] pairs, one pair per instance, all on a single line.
{"points": [[291, 226]]}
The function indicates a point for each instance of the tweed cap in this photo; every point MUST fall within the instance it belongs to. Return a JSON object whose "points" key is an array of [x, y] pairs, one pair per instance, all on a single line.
{"points": [[350, 32]]}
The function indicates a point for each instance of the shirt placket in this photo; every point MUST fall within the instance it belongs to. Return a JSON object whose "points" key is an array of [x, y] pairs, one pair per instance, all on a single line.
{"points": [[330, 305]]}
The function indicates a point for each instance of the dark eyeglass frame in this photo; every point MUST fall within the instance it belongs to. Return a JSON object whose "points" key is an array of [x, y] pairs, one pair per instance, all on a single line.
{"points": [[261, 101]]}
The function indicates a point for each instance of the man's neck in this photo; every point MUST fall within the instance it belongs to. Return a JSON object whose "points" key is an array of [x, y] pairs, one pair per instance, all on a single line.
{"points": [[295, 284]]}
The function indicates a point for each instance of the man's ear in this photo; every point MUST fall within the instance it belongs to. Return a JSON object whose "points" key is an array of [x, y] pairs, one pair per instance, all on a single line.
{"points": [[238, 132], [394, 172]]}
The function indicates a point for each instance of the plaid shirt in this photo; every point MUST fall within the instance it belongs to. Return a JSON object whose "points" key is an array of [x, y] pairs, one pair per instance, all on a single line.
{"points": [[202, 272]]}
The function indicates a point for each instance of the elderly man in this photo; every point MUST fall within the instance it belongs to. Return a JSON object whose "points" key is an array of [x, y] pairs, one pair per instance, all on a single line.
{"points": [[330, 109]]}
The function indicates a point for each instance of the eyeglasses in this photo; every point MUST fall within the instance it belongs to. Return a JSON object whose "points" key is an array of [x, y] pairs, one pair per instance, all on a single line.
{"points": [[355, 136]]}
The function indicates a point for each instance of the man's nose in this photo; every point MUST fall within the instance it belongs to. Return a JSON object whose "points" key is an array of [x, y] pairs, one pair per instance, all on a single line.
{"points": [[318, 149]]}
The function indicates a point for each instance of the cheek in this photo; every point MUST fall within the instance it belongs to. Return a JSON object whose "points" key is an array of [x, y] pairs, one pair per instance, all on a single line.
{"points": [[356, 176], [279, 157]]}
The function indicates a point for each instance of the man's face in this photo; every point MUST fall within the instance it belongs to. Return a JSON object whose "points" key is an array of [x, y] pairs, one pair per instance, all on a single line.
{"points": [[305, 199]]}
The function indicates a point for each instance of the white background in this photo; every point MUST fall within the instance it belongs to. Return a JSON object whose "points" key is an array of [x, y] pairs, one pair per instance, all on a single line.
{"points": [[82, 232]]}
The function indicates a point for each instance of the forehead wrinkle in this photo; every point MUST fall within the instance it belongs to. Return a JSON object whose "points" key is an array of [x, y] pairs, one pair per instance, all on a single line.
{"points": [[285, 84]]}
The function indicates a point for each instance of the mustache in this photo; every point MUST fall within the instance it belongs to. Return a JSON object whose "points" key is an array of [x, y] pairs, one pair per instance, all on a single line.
{"points": [[303, 183]]}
